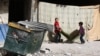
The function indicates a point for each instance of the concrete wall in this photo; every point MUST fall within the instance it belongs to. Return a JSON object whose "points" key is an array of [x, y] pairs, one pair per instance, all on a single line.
{"points": [[4, 11], [33, 11], [69, 16]]}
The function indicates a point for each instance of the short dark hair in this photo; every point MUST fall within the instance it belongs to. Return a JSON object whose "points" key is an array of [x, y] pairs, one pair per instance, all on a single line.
{"points": [[56, 18], [80, 23]]}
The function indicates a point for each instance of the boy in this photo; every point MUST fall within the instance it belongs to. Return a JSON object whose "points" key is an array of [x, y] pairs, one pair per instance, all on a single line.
{"points": [[57, 30], [81, 32]]}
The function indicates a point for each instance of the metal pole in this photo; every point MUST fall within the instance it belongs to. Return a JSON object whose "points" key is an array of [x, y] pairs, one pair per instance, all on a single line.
{"points": [[37, 11]]}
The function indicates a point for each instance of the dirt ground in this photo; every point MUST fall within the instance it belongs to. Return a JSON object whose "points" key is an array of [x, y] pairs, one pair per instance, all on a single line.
{"points": [[68, 49]]}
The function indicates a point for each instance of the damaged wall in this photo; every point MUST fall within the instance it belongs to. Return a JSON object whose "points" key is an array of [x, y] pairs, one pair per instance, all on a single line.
{"points": [[4, 11], [69, 16]]}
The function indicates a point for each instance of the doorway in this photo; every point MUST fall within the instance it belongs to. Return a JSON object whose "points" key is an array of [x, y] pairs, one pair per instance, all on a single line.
{"points": [[19, 10]]}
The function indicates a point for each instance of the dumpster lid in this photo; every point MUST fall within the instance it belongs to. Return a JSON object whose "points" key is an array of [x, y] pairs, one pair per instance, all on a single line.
{"points": [[37, 25]]}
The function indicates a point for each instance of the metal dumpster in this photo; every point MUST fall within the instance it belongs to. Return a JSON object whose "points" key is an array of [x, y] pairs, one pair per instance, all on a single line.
{"points": [[22, 40]]}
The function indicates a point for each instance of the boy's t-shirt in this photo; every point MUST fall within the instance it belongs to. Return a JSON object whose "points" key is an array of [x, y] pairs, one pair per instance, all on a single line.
{"points": [[81, 30], [57, 27]]}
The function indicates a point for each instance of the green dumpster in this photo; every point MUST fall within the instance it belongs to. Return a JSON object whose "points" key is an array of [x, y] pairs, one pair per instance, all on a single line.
{"points": [[23, 41]]}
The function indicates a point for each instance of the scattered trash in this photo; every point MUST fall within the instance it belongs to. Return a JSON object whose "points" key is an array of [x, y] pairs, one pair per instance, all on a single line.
{"points": [[42, 51], [29, 55], [46, 50]]}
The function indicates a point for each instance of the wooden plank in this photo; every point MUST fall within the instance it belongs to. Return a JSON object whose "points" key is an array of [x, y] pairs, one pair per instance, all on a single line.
{"points": [[15, 25]]}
